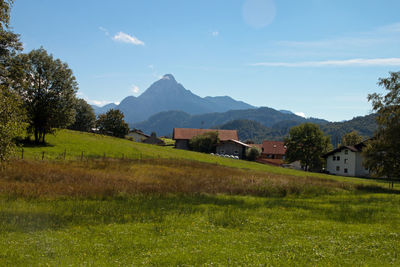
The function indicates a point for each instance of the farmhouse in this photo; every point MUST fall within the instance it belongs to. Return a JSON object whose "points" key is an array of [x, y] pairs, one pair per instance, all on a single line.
{"points": [[272, 152], [154, 140], [138, 135], [229, 144], [346, 161], [232, 147]]}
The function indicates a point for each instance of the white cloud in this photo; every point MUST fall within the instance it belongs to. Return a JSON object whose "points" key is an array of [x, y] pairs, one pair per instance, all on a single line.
{"points": [[135, 89], [325, 63], [126, 38], [104, 30], [215, 33], [301, 114]]}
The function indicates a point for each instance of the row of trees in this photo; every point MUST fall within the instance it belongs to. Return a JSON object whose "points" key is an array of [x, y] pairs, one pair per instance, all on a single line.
{"points": [[38, 94]]}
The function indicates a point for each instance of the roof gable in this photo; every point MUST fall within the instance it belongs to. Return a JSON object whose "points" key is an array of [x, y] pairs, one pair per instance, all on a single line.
{"points": [[273, 147], [188, 133]]}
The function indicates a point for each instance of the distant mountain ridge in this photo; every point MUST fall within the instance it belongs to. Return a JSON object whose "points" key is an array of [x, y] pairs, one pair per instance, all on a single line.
{"points": [[167, 94], [162, 123], [103, 109]]}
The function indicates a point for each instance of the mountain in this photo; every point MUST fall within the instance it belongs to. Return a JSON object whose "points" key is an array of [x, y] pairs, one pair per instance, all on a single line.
{"points": [[100, 110], [364, 125], [164, 122], [286, 111], [167, 94], [225, 103]]}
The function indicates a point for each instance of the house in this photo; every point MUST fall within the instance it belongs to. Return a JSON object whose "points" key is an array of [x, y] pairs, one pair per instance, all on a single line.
{"points": [[154, 140], [232, 147], [138, 135], [272, 152], [182, 136], [346, 161], [228, 140]]}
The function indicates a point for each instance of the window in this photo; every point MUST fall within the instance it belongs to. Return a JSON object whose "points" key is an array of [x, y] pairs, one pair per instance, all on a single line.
{"points": [[338, 158], [346, 161], [337, 168], [345, 170], [236, 152], [346, 152], [334, 158]]}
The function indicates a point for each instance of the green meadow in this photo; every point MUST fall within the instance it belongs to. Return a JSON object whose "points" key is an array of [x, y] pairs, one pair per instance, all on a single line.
{"points": [[143, 205]]}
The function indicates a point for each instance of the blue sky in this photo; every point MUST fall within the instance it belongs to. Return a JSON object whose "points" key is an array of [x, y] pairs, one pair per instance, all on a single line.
{"points": [[317, 57]]}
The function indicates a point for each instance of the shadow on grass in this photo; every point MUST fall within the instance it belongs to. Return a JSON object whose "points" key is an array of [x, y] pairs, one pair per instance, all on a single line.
{"points": [[18, 215], [376, 189]]}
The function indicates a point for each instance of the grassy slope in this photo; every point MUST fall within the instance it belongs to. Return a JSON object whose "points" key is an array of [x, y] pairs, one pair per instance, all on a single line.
{"points": [[94, 145]]}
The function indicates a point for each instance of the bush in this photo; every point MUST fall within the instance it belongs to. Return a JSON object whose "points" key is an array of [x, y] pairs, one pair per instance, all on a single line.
{"points": [[252, 153], [206, 142]]}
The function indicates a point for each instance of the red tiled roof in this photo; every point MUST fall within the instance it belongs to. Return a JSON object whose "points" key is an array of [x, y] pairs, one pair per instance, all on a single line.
{"points": [[188, 133], [273, 148]]}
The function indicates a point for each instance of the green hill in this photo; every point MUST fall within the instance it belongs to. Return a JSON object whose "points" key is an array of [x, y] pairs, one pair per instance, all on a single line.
{"points": [[80, 145]]}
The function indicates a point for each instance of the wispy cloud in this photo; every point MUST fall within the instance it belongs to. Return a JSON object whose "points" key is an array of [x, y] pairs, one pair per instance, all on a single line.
{"points": [[126, 38], [135, 89], [377, 36], [215, 33], [325, 63], [104, 30]]}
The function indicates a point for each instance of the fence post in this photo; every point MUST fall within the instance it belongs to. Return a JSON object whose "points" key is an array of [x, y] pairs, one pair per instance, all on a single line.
{"points": [[122, 156], [65, 153], [104, 156], [42, 155], [22, 153], [82, 156]]}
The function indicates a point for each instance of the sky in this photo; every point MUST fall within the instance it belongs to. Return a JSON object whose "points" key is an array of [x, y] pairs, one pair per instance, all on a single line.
{"points": [[318, 58]]}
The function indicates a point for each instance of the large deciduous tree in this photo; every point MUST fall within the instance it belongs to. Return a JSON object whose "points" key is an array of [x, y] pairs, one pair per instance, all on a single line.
{"points": [[85, 119], [12, 122], [382, 154], [112, 123], [307, 143], [351, 139], [11, 113], [47, 87]]}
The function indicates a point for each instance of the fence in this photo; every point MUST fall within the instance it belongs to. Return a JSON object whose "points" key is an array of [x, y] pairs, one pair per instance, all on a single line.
{"points": [[43, 155]]}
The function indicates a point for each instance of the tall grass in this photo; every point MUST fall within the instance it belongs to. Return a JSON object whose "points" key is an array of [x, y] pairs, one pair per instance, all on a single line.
{"points": [[110, 177]]}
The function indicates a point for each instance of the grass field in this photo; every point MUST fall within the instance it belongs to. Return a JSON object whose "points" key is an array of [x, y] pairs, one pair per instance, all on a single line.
{"points": [[169, 207], [77, 144]]}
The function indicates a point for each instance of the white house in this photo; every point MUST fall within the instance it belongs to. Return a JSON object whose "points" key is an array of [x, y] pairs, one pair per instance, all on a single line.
{"points": [[346, 161]]}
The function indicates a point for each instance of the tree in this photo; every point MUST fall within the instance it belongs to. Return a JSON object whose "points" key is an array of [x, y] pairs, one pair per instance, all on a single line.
{"points": [[112, 123], [47, 87], [307, 143], [206, 142], [12, 122], [85, 119], [252, 153], [11, 113], [351, 139], [5, 8], [382, 153]]}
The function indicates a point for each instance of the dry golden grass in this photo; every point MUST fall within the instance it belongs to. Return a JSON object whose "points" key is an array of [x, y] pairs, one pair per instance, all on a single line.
{"points": [[107, 178]]}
